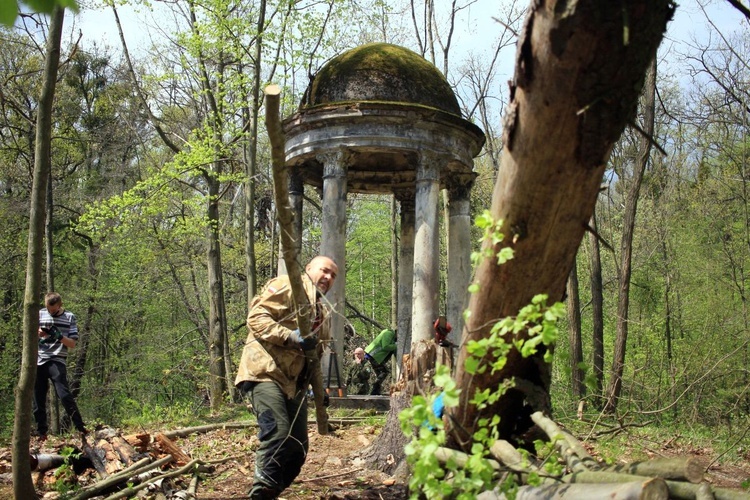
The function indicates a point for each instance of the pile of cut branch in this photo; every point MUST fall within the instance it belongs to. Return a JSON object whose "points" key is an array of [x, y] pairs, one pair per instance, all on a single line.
{"points": [[126, 465], [584, 477]]}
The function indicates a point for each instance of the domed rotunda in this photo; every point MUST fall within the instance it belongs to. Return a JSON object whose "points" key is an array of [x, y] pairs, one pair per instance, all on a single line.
{"points": [[380, 119]]}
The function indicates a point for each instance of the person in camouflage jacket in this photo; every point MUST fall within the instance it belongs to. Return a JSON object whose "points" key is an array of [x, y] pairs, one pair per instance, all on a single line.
{"points": [[358, 376], [272, 375]]}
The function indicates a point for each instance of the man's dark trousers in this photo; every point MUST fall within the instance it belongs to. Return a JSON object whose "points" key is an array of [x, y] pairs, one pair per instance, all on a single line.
{"points": [[58, 373], [282, 431], [381, 373]]}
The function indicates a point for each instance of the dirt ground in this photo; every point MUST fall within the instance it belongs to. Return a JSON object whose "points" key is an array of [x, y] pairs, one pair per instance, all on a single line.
{"points": [[333, 469]]}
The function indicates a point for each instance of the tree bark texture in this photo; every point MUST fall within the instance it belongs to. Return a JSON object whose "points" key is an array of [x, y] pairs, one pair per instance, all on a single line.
{"points": [[580, 67], [574, 335], [289, 247], [23, 487], [677, 477], [217, 310], [597, 312], [53, 405], [646, 489]]}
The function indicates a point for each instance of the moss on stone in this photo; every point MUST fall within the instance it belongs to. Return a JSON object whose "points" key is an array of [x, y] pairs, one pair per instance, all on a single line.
{"points": [[381, 72]]}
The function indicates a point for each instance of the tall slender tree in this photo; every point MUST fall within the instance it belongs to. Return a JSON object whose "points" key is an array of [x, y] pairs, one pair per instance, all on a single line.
{"points": [[597, 312], [23, 486], [574, 334], [626, 243]]}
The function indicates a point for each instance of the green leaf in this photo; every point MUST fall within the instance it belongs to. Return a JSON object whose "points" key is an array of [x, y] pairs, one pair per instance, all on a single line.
{"points": [[504, 255], [8, 12], [42, 6], [451, 399], [471, 365]]}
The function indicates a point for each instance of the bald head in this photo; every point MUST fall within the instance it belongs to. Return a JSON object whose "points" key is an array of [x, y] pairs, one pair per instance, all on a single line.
{"points": [[359, 354], [322, 271]]}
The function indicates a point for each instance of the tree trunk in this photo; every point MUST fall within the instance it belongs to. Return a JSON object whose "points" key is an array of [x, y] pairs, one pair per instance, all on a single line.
{"points": [[289, 247], [574, 335], [53, 405], [84, 333], [216, 311], [23, 487], [579, 72], [626, 244], [597, 312], [387, 452], [49, 237]]}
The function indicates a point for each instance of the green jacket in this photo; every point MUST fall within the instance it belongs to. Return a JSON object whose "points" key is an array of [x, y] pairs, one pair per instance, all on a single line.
{"points": [[383, 346], [269, 354]]}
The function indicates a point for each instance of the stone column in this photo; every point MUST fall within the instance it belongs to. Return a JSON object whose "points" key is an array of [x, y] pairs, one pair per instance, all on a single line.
{"points": [[333, 242], [426, 246], [459, 253], [405, 276]]}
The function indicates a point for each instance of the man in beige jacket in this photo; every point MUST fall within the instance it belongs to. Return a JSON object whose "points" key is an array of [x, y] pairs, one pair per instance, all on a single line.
{"points": [[272, 374]]}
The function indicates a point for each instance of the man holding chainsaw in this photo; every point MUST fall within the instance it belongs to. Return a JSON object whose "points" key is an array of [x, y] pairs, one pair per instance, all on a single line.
{"points": [[58, 332], [272, 373]]}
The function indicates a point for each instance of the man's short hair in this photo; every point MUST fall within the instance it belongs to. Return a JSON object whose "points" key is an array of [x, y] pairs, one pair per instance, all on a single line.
{"points": [[52, 298]]}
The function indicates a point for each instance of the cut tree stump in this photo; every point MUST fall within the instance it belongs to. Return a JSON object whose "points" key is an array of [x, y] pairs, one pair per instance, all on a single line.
{"points": [[386, 453]]}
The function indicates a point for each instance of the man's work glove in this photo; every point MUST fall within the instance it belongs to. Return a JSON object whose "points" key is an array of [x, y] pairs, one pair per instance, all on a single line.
{"points": [[53, 334], [306, 343]]}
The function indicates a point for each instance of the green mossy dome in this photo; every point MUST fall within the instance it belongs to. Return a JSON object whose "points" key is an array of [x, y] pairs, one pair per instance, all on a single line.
{"points": [[381, 72]]}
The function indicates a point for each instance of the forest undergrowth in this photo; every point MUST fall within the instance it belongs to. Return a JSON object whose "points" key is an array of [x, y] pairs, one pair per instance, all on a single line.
{"points": [[335, 470]]}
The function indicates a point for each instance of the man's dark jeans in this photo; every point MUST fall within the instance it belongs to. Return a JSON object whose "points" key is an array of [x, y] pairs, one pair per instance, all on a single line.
{"points": [[58, 373]]}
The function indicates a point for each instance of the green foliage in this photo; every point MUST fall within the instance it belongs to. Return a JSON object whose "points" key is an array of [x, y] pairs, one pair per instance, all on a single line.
{"points": [[181, 413], [492, 236], [546, 451], [368, 261], [9, 8], [65, 476], [429, 476]]}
